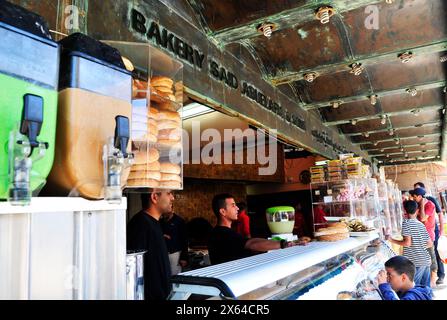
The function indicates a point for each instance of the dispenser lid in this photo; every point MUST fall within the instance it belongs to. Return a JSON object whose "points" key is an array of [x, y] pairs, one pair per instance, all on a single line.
{"points": [[22, 19], [84, 46], [274, 210]]}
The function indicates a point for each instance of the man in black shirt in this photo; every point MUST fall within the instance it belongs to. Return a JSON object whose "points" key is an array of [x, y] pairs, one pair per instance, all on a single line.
{"points": [[225, 244], [144, 233], [175, 233]]}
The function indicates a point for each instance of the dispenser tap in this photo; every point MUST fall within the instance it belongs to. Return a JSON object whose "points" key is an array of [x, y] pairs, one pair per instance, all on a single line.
{"points": [[22, 143], [116, 159]]}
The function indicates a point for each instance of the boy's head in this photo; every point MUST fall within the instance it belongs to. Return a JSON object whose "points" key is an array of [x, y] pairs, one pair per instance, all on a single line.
{"points": [[411, 207], [400, 272]]}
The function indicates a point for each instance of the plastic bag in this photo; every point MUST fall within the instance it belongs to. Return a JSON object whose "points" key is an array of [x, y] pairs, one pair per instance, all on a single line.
{"points": [[442, 248]]}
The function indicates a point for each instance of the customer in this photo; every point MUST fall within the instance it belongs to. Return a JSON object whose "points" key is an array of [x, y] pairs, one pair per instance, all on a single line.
{"points": [[144, 233], [439, 230], [242, 225], [176, 236], [427, 217], [416, 241], [396, 283], [225, 244]]}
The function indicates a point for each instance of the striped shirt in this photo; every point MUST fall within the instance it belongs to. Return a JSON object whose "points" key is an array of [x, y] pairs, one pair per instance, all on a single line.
{"points": [[417, 253]]}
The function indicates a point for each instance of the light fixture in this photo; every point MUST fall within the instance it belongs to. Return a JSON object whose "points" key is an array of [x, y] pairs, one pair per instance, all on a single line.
{"points": [[373, 99], [397, 141], [324, 14], [195, 109], [356, 68], [402, 149], [416, 112], [406, 155], [267, 29], [389, 1], [383, 119], [387, 155], [391, 132], [382, 150], [336, 104], [412, 91], [353, 122], [310, 77], [420, 137], [406, 57], [438, 157], [366, 134], [376, 143]]}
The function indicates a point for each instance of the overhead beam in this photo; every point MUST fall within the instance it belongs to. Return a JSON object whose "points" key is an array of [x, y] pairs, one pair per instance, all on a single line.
{"points": [[383, 93], [402, 145], [378, 115], [365, 60], [393, 128], [392, 139], [401, 162], [284, 19], [402, 152]]}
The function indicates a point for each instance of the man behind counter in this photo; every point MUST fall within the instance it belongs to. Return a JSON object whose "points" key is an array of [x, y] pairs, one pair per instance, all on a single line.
{"points": [[225, 244], [144, 232]]}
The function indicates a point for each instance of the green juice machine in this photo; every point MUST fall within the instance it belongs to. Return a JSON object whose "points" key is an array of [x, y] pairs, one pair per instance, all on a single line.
{"points": [[29, 71]]}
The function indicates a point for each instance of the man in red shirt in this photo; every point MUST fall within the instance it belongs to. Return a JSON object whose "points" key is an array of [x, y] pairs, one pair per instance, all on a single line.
{"points": [[243, 221], [427, 217]]}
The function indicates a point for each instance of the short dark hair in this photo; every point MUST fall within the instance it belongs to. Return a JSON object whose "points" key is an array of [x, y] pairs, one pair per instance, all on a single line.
{"points": [[420, 184], [242, 206], [219, 202], [410, 206], [402, 265], [146, 199]]}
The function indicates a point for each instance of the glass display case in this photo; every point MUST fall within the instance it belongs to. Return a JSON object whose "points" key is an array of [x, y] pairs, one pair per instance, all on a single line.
{"points": [[156, 120], [320, 271], [346, 199], [395, 208]]}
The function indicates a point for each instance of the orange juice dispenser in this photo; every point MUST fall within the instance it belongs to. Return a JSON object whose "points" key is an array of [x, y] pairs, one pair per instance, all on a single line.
{"points": [[93, 131]]}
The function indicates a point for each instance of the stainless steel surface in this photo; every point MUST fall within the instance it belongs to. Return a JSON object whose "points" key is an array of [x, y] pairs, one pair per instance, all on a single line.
{"points": [[135, 275]]}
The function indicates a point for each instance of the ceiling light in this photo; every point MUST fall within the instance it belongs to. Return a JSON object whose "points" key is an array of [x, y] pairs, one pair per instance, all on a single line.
{"points": [[387, 155], [438, 157], [391, 132], [416, 112], [336, 104], [406, 57], [383, 119], [376, 143], [194, 109], [267, 29], [382, 150], [420, 137], [356, 68], [353, 122], [402, 149], [397, 141], [373, 99], [412, 91], [366, 134], [324, 14], [389, 1], [310, 77]]}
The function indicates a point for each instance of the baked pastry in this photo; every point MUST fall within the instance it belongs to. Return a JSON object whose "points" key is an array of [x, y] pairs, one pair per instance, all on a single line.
{"points": [[153, 175], [168, 124], [170, 184], [170, 134], [167, 167], [152, 166], [169, 115], [144, 183], [144, 156], [333, 232], [161, 81], [170, 177]]}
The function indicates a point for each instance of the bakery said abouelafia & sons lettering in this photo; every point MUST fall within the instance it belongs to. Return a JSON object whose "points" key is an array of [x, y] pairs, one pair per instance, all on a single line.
{"points": [[195, 57]]}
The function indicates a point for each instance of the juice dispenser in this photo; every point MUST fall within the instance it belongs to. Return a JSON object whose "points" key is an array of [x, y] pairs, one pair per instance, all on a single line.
{"points": [[29, 70], [93, 121]]}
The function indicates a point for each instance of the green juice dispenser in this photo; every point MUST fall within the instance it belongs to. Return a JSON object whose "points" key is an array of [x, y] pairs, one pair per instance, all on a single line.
{"points": [[29, 71]]}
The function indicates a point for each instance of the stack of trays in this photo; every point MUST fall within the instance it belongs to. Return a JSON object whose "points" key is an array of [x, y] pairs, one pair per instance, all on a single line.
{"points": [[353, 167], [317, 174], [335, 170]]}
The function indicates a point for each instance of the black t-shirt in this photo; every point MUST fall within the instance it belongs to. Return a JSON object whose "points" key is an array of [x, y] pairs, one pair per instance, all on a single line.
{"points": [[176, 229], [225, 245], [144, 233]]}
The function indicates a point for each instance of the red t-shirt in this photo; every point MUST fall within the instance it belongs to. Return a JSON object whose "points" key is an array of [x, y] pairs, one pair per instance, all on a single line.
{"points": [[243, 224], [431, 220]]}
